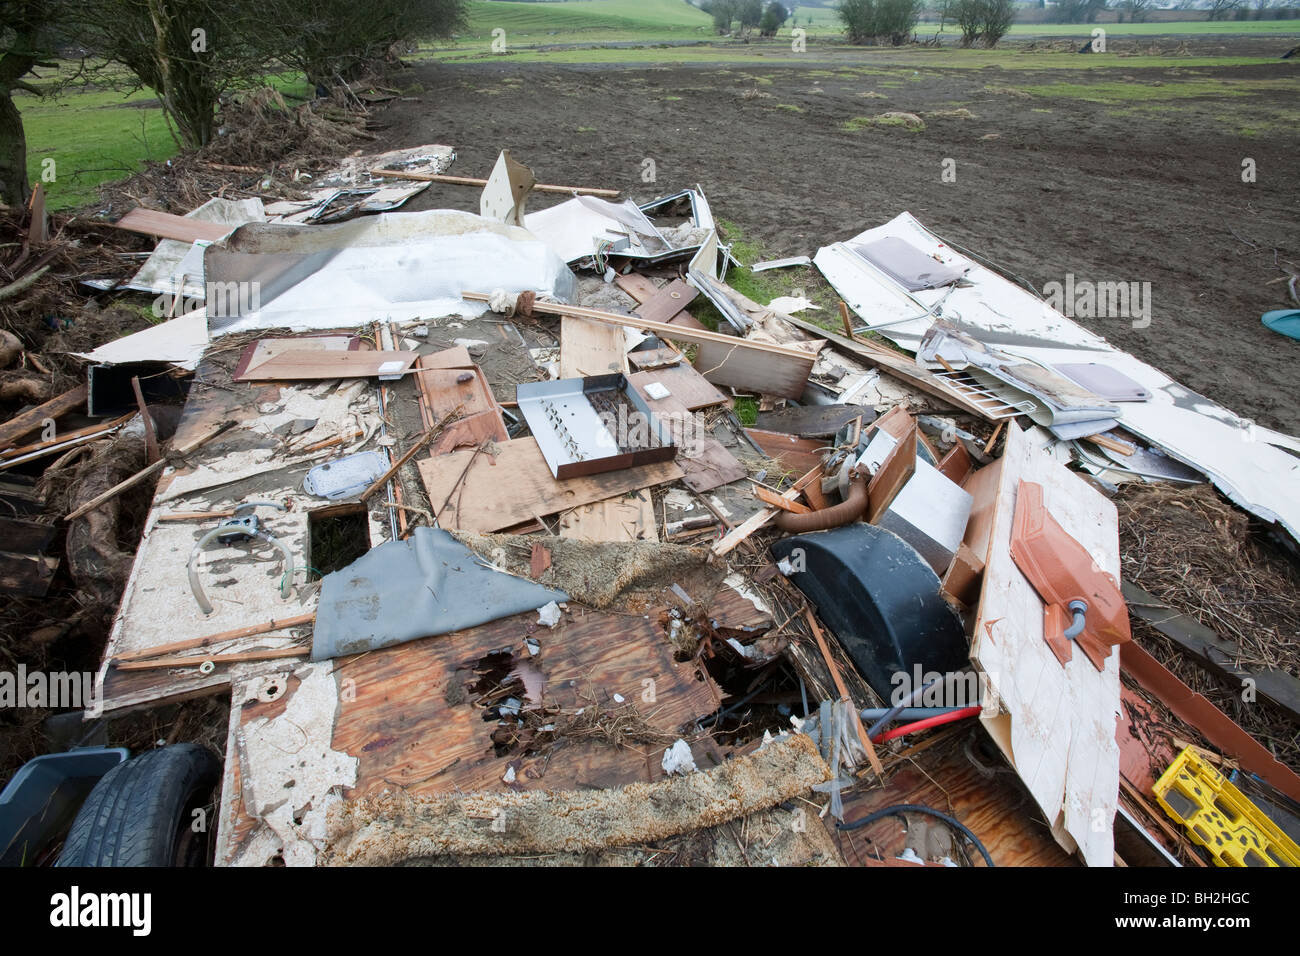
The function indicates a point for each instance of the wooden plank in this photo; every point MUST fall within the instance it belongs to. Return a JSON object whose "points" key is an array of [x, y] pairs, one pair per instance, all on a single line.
{"points": [[643, 290], [471, 432], [722, 359], [455, 357], [166, 663], [473, 181], [705, 461], [798, 455], [144, 473], [26, 575], [895, 471], [25, 537], [314, 364], [514, 484], [624, 518], [24, 423], [738, 534], [589, 348], [775, 500], [691, 388], [668, 301], [900, 366], [150, 222], [100, 428], [220, 637]]}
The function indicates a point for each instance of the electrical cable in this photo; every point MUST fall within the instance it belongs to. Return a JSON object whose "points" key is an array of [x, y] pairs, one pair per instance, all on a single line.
{"points": [[899, 809], [928, 722]]}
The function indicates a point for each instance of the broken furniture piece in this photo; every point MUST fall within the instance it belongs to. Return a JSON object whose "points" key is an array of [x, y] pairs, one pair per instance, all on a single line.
{"points": [[1082, 602], [585, 426]]}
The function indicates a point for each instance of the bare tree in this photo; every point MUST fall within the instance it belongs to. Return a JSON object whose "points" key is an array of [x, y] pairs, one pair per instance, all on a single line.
{"points": [[25, 43], [1221, 9]]}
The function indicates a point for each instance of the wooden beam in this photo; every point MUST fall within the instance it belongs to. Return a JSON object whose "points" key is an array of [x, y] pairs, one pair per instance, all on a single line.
{"points": [[24, 423], [725, 359], [410, 453], [697, 336], [153, 469], [897, 364], [301, 650], [251, 630], [474, 181], [844, 691]]}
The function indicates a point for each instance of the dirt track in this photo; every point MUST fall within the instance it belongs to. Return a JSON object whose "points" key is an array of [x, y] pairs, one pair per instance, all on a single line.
{"points": [[1045, 185]]}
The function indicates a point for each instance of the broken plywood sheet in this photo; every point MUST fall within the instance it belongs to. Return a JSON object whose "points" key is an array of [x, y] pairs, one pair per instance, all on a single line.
{"points": [[1055, 724], [685, 383], [589, 348], [242, 582], [275, 720], [992, 804], [624, 518], [324, 363], [421, 717], [705, 460], [511, 483]]}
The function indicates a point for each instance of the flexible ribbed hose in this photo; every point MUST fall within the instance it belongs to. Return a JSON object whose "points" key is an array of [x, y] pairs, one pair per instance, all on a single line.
{"points": [[850, 509]]}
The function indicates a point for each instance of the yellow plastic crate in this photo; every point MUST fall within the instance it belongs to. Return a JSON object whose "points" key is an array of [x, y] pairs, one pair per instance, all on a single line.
{"points": [[1220, 817]]}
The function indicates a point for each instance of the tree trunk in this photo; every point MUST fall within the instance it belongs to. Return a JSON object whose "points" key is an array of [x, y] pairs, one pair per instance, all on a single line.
{"points": [[13, 153]]}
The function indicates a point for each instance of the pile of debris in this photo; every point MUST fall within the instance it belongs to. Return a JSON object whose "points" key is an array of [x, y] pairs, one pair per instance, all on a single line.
{"points": [[465, 505]]}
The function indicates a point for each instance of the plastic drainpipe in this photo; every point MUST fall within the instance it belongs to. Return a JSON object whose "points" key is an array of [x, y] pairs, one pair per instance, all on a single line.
{"points": [[204, 605], [192, 568], [1080, 611]]}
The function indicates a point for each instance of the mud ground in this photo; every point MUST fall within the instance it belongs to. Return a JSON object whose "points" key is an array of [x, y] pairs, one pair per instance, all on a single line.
{"points": [[1143, 188]]}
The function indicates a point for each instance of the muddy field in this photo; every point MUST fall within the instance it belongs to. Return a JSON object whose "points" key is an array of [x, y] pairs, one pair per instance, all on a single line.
{"points": [[1143, 187]]}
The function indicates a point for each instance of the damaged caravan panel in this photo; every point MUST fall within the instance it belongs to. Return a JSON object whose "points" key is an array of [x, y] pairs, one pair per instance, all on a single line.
{"points": [[1190, 428], [449, 555]]}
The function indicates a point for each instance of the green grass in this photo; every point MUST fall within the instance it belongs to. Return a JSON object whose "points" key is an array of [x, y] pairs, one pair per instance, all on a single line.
{"points": [[880, 122], [1120, 92], [93, 137], [825, 21], [579, 21], [96, 135]]}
